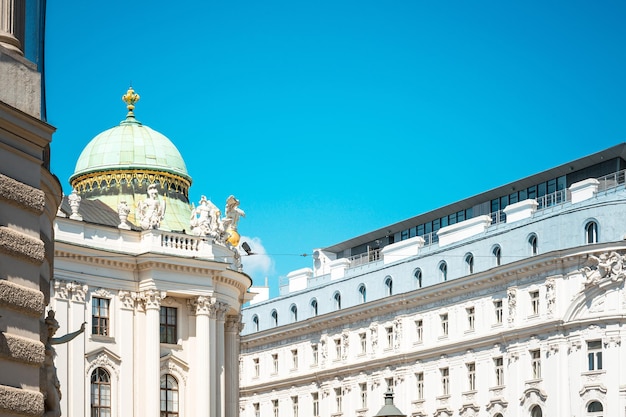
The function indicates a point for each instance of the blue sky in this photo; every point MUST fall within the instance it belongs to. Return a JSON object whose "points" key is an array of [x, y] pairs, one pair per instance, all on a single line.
{"points": [[328, 119]]}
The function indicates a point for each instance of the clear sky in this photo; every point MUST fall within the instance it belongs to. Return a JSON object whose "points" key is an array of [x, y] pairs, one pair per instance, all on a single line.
{"points": [[328, 119]]}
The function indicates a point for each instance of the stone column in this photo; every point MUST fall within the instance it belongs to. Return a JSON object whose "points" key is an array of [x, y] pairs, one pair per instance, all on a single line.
{"points": [[220, 310], [231, 343], [151, 355], [12, 17], [202, 307]]}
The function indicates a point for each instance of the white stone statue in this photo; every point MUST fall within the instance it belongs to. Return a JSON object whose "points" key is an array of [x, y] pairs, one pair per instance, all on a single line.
{"points": [[205, 219], [52, 394], [151, 211], [74, 201], [123, 211]]}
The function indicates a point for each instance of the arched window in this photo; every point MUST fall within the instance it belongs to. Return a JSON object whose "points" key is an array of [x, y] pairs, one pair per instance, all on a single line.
{"points": [[313, 305], [388, 285], [536, 411], [169, 396], [497, 255], [418, 277], [595, 409], [274, 318], [337, 299], [255, 323], [532, 244], [498, 415], [100, 393], [294, 313], [362, 293], [469, 263], [443, 271], [591, 232]]}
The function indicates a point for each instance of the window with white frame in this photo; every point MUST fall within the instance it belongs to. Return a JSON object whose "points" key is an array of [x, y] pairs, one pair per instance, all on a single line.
{"points": [[100, 316], [100, 393], [337, 299], [498, 364], [314, 354], [362, 293], [444, 324], [418, 277], [255, 323], [419, 331], [497, 308], [591, 232], [469, 263], [363, 342], [595, 409], [294, 406], [257, 367], [471, 376], [274, 315], [532, 244], [338, 400], [390, 383], [169, 396], [535, 363], [274, 363], [337, 348], [388, 286], [294, 359], [443, 271], [315, 403], [313, 307], [471, 318], [389, 336], [534, 302], [536, 411], [419, 387], [294, 313], [445, 381], [363, 394], [168, 325], [594, 355], [497, 255], [275, 407], [256, 407]]}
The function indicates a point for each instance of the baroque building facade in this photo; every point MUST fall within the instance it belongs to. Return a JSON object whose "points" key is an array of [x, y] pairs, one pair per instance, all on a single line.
{"points": [[161, 305], [508, 303], [29, 197]]}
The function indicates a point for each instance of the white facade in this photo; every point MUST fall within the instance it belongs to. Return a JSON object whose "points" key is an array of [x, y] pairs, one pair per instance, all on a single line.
{"points": [[518, 313]]}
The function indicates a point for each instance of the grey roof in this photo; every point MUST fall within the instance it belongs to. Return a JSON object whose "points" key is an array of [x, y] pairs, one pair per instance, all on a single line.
{"points": [[618, 151], [96, 212]]}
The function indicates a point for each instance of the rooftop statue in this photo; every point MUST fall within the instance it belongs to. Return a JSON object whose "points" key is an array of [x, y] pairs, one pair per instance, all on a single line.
{"points": [[151, 210], [233, 212], [52, 393], [205, 219]]}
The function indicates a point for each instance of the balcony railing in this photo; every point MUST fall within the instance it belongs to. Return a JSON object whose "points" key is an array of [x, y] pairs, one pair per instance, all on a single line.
{"points": [[371, 255], [611, 181], [553, 199]]}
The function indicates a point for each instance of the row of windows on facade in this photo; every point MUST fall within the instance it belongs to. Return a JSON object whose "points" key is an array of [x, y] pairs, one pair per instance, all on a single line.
{"points": [[594, 349], [101, 320], [100, 389], [591, 236]]}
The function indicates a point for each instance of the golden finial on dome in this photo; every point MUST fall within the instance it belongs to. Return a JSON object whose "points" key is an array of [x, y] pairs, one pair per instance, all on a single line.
{"points": [[130, 98]]}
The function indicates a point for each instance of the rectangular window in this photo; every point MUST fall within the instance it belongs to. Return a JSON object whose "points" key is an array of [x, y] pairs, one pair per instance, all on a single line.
{"points": [[389, 335], [419, 331], [445, 381], [497, 307], [363, 394], [444, 324], [100, 316], [471, 376], [257, 409], [337, 349], [294, 359], [338, 400], [294, 406], [257, 367], [315, 398], [274, 363], [498, 364], [275, 407], [419, 377], [168, 327], [390, 384], [534, 302], [594, 355], [471, 317], [363, 342], [535, 363], [314, 355]]}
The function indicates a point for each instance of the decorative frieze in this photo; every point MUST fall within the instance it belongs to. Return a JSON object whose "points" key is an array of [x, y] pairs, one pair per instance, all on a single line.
{"points": [[70, 290]]}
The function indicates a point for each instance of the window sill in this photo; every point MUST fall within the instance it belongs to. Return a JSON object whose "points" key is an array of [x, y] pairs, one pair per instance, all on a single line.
{"points": [[172, 346], [102, 339]]}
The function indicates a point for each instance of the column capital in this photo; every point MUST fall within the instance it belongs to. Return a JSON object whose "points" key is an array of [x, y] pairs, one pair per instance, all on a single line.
{"points": [[233, 323], [201, 304], [151, 299]]}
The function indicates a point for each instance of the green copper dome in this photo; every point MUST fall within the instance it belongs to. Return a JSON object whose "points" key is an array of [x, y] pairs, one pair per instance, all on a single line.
{"points": [[130, 145]]}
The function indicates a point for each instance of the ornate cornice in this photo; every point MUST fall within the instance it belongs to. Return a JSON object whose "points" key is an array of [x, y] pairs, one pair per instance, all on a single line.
{"points": [[112, 178], [95, 260], [70, 290]]}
